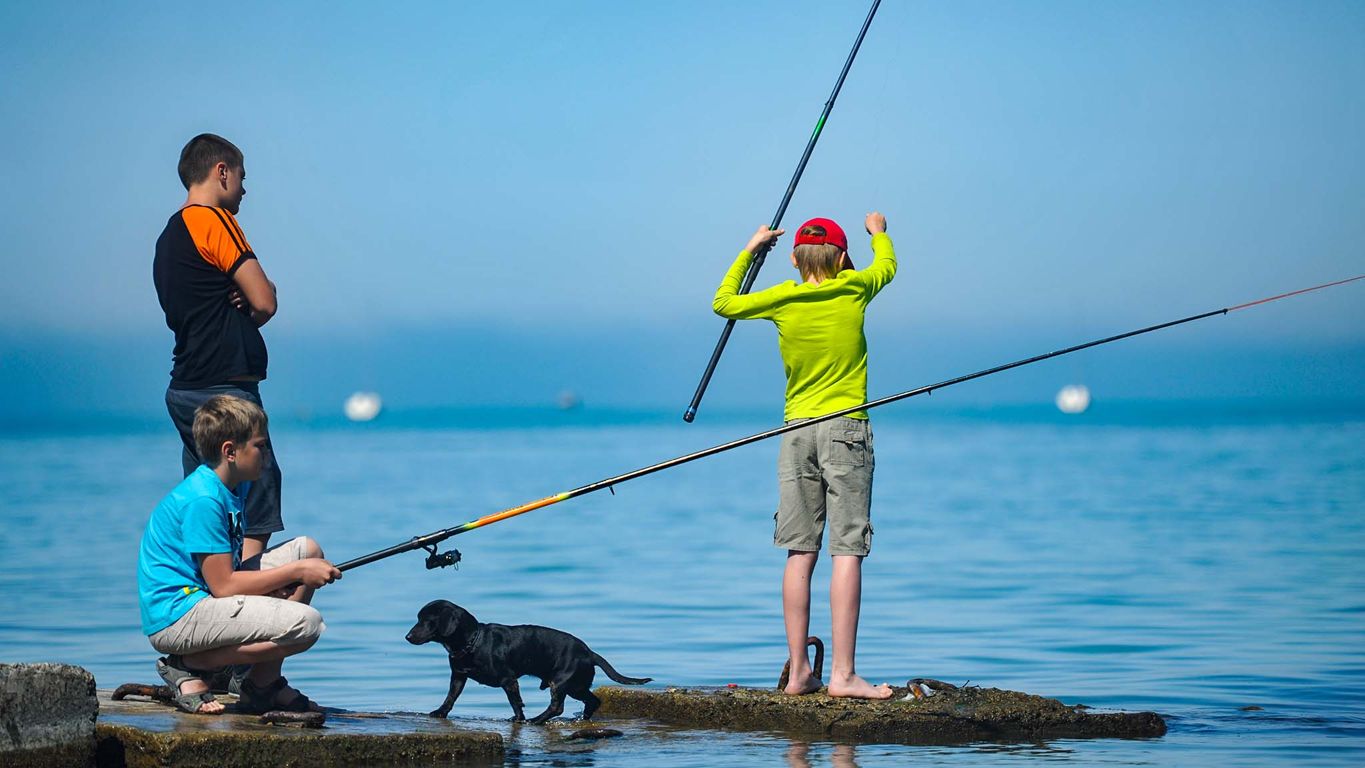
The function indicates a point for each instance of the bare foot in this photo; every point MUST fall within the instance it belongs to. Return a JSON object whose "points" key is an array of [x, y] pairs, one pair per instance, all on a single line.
{"points": [[807, 683], [854, 687]]}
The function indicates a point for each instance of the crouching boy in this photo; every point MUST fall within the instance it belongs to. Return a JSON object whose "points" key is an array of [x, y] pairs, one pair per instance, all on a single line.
{"points": [[205, 607]]}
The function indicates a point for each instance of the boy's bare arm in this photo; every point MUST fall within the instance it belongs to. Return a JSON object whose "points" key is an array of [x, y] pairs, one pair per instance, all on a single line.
{"points": [[223, 581], [257, 290]]}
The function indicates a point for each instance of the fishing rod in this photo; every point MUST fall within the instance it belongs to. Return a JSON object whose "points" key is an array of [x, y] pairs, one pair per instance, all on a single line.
{"points": [[757, 262], [442, 559]]}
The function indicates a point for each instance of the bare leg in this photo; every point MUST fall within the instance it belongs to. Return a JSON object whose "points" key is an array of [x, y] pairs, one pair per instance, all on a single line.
{"points": [[266, 655], [796, 616], [254, 545], [303, 593], [845, 599], [844, 756], [267, 667], [798, 755]]}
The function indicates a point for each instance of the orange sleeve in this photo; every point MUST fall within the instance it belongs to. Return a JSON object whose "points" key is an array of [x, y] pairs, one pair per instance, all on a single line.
{"points": [[216, 234]]}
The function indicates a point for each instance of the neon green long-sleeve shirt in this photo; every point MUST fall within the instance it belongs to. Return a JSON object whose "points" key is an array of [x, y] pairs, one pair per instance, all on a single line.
{"points": [[819, 329]]}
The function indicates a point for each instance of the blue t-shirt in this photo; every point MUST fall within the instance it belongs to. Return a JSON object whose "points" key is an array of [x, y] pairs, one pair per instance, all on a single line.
{"points": [[200, 516]]}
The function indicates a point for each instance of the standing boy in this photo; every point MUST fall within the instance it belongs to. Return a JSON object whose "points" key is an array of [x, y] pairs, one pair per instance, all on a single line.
{"points": [[824, 471], [216, 297], [202, 604]]}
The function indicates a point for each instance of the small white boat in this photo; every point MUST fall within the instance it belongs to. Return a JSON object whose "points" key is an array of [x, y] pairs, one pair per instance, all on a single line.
{"points": [[1073, 398], [363, 406]]}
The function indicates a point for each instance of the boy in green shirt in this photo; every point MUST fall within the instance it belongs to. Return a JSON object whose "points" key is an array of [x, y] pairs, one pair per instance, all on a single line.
{"points": [[825, 471]]}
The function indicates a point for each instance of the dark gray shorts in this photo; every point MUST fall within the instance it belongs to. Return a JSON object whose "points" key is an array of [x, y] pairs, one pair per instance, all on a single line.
{"points": [[824, 472], [263, 500]]}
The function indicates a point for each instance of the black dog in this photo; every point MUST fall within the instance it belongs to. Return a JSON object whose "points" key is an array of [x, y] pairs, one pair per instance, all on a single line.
{"points": [[496, 655]]}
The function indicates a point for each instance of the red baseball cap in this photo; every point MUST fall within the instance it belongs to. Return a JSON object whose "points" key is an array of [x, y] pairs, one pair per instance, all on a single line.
{"points": [[834, 235]]}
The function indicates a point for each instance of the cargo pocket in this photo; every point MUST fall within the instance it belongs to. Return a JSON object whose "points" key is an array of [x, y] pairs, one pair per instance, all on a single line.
{"points": [[848, 447]]}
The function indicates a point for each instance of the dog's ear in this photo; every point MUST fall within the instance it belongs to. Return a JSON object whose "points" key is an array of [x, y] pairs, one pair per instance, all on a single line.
{"points": [[467, 622], [452, 623]]}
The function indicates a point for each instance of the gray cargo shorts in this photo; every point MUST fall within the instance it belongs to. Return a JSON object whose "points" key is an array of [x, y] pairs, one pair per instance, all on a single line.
{"points": [[216, 622], [825, 472]]}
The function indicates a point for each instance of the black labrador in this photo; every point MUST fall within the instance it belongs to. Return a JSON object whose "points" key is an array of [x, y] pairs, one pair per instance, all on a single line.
{"points": [[496, 655]]}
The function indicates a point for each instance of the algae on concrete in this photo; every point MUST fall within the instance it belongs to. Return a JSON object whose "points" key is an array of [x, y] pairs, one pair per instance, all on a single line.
{"points": [[947, 717], [143, 734], [124, 746]]}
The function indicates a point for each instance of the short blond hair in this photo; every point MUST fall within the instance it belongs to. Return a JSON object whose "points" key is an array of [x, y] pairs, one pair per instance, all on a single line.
{"points": [[819, 261], [222, 418]]}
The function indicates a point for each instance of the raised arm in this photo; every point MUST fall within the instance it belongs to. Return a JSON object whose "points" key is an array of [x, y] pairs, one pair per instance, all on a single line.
{"points": [[729, 302], [883, 266]]}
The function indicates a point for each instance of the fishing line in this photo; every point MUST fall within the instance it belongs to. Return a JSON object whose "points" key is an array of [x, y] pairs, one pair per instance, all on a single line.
{"points": [[442, 559], [757, 262], [879, 180]]}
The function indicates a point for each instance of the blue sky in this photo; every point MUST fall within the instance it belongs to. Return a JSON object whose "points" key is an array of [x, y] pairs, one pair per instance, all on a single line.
{"points": [[487, 203]]}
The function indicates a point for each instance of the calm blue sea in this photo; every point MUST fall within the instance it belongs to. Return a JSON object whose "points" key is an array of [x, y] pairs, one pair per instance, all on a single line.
{"points": [[1190, 559]]}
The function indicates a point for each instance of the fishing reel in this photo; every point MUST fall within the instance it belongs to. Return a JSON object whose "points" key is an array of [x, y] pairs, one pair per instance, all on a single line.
{"points": [[442, 559]]}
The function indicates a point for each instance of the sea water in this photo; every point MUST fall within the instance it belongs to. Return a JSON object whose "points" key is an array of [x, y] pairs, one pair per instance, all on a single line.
{"points": [[1193, 560]]}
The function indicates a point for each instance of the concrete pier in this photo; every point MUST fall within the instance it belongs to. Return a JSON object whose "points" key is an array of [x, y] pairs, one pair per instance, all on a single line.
{"points": [[142, 734]]}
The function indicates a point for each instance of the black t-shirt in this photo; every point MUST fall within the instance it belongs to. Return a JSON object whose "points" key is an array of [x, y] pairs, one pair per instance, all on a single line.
{"points": [[196, 256]]}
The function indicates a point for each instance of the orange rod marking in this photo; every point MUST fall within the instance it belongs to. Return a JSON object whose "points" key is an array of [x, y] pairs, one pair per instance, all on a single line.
{"points": [[514, 511], [1295, 293]]}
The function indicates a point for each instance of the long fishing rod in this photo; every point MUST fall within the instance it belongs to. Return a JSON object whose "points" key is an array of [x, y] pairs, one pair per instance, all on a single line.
{"points": [[757, 262], [442, 559]]}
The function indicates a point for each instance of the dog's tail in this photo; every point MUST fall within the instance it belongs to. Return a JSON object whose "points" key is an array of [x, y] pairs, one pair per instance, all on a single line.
{"points": [[617, 676]]}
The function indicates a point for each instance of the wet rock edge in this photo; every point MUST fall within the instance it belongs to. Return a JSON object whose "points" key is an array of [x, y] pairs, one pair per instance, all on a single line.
{"points": [[951, 717]]}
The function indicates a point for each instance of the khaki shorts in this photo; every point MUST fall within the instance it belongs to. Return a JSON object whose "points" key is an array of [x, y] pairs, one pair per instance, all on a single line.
{"points": [[825, 472], [216, 622]]}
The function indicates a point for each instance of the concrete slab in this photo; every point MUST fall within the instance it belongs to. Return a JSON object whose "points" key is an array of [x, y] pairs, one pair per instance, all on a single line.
{"points": [[142, 733]]}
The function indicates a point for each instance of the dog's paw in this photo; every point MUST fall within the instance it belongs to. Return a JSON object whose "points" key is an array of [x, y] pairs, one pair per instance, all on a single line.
{"points": [[441, 713]]}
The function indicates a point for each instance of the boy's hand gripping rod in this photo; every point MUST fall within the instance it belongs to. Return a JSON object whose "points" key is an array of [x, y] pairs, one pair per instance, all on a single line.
{"points": [[439, 560], [757, 262]]}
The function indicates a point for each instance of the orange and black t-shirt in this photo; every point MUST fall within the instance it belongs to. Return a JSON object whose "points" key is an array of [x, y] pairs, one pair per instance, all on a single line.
{"points": [[196, 256]]}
